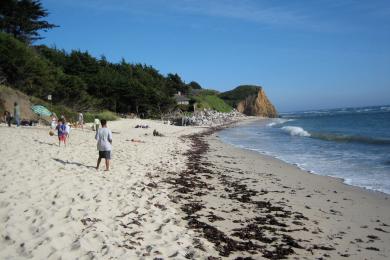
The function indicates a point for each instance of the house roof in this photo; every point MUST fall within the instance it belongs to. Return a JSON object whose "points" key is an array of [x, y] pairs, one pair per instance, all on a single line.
{"points": [[180, 98]]}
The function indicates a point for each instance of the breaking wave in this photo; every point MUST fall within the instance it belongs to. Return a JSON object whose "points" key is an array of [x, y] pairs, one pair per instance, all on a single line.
{"points": [[296, 131], [278, 121]]}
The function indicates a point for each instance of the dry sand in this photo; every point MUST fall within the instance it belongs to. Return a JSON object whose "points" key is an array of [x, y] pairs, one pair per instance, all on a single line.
{"points": [[54, 204], [175, 197]]}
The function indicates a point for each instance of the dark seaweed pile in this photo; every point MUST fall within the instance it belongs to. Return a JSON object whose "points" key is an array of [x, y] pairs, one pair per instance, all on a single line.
{"points": [[265, 234]]}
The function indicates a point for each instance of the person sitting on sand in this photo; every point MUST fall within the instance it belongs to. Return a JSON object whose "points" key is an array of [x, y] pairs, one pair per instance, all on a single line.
{"points": [[61, 130], [104, 144], [156, 133]]}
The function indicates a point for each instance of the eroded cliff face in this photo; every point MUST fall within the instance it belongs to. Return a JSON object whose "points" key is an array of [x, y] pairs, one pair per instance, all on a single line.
{"points": [[257, 105]]}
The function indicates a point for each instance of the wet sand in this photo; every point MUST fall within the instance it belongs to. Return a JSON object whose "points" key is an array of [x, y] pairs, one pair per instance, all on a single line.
{"points": [[251, 205]]}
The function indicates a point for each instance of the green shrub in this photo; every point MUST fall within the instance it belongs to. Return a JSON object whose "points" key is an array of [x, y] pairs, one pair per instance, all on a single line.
{"points": [[71, 115], [184, 108], [89, 117]]}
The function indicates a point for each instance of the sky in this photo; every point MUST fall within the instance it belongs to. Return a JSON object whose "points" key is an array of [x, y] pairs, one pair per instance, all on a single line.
{"points": [[305, 54]]}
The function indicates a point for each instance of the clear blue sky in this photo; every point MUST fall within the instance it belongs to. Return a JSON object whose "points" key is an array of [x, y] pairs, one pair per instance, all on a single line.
{"points": [[307, 54]]}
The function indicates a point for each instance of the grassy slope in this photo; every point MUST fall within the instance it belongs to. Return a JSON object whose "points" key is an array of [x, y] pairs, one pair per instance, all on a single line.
{"points": [[211, 101], [234, 96]]}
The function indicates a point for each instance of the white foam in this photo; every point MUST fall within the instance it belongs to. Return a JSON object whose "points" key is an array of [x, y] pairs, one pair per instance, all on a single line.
{"points": [[295, 131], [279, 121]]}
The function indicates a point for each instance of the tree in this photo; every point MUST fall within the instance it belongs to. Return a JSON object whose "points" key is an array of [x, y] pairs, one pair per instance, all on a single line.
{"points": [[194, 85], [24, 69], [23, 19], [176, 84]]}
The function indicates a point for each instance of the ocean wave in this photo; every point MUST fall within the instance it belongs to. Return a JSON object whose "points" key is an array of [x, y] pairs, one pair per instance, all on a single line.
{"points": [[337, 111], [279, 121], [296, 131], [350, 139]]}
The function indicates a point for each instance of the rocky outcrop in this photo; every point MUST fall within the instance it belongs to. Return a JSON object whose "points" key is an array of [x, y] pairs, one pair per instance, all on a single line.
{"points": [[257, 105], [205, 117]]}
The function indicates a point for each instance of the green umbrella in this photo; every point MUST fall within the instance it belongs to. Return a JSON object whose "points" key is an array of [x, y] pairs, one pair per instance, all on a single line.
{"points": [[41, 110]]}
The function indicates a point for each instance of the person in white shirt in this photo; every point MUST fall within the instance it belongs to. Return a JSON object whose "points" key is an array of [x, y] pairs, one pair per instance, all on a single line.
{"points": [[53, 122], [81, 120], [104, 144], [67, 130], [96, 123]]}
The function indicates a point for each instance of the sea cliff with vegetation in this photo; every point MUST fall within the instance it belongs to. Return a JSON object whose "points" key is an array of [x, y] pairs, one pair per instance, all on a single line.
{"points": [[250, 100]]}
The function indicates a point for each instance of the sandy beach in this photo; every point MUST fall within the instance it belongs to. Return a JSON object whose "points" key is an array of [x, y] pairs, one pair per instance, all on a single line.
{"points": [[185, 195], [54, 204]]}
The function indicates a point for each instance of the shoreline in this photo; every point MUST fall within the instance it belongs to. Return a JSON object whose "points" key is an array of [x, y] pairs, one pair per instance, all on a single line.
{"points": [[336, 178], [339, 179], [274, 157], [290, 212]]}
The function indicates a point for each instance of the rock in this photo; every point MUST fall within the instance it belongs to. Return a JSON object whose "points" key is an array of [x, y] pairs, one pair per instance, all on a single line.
{"points": [[212, 118], [257, 105]]}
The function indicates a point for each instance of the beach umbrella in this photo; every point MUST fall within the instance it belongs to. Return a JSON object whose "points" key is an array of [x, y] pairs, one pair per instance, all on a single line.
{"points": [[41, 110]]}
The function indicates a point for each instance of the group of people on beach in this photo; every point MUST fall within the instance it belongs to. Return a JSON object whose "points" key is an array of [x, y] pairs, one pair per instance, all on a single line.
{"points": [[103, 136], [62, 126]]}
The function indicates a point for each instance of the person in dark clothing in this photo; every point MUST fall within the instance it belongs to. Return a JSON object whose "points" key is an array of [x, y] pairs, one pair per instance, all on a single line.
{"points": [[7, 118]]}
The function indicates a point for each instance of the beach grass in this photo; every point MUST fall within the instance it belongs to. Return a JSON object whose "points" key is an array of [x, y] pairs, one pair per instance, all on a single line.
{"points": [[212, 102]]}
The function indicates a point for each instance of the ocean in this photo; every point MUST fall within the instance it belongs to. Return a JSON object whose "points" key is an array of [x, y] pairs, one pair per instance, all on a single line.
{"points": [[348, 143]]}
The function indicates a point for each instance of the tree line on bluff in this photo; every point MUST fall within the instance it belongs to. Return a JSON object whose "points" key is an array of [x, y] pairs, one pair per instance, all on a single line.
{"points": [[82, 82], [77, 79]]}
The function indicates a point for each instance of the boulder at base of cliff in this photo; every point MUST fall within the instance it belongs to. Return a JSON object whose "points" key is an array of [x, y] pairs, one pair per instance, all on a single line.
{"points": [[257, 105]]}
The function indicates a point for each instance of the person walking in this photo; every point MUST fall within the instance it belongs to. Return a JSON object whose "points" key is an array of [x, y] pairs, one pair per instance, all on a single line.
{"points": [[61, 128], [96, 123], [67, 130], [53, 121], [17, 113], [104, 144], [81, 120]]}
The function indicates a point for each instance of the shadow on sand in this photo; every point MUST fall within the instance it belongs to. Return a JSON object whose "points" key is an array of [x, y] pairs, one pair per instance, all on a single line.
{"points": [[40, 142], [74, 163]]}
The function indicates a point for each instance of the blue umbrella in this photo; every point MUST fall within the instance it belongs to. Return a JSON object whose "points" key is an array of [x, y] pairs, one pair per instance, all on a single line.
{"points": [[41, 110]]}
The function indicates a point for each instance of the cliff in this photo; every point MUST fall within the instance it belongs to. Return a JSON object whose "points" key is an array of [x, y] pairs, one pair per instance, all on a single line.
{"points": [[250, 100], [257, 105]]}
